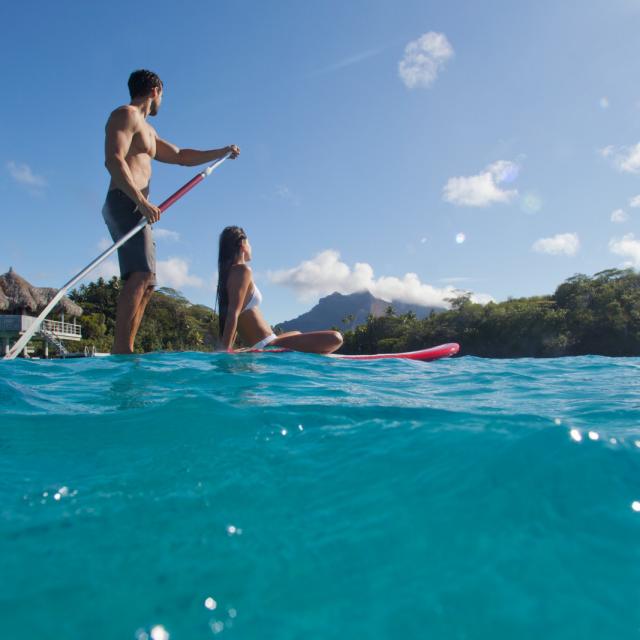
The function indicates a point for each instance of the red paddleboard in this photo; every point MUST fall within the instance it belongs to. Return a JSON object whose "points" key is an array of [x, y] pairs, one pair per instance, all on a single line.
{"points": [[434, 353]]}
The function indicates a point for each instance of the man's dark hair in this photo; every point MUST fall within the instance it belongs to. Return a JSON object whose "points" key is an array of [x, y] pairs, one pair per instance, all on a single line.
{"points": [[142, 82]]}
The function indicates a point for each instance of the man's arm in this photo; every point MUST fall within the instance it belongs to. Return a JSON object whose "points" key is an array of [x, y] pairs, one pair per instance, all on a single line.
{"points": [[120, 130], [169, 153]]}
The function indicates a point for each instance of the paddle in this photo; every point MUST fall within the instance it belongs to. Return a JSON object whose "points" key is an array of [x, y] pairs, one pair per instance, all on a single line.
{"points": [[27, 335]]}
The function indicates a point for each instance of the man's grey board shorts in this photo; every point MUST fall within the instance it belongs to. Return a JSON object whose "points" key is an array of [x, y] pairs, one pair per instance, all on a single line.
{"points": [[139, 252]]}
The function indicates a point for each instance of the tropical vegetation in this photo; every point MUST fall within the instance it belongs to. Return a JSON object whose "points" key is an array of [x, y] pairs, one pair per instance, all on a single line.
{"points": [[170, 323], [585, 315], [597, 314]]}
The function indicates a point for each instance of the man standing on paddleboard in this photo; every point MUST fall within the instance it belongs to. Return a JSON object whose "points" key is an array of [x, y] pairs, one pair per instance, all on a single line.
{"points": [[131, 143]]}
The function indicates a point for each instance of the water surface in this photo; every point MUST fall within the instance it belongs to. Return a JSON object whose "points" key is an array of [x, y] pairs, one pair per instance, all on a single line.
{"points": [[294, 496]]}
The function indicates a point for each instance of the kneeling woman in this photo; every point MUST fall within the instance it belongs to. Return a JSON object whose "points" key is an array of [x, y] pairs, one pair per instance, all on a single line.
{"points": [[239, 300]]}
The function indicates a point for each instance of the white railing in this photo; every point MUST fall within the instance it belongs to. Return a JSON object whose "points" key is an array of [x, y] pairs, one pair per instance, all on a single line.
{"points": [[63, 328], [19, 324]]}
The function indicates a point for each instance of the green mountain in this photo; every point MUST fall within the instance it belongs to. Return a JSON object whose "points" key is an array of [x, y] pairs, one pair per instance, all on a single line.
{"points": [[348, 311]]}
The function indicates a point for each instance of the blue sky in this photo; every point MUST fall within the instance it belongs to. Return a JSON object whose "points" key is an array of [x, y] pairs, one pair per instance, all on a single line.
{"points": [[403, 146]]}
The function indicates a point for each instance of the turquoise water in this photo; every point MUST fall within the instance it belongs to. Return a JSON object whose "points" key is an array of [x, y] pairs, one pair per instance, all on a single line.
{"points": [[294, 496]]}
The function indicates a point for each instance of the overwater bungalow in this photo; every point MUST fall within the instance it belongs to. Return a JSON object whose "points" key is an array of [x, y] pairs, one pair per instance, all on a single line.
{"points": [[20, 305]]}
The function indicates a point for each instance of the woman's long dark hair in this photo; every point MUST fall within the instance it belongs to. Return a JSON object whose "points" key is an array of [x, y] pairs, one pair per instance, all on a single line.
{"points": [[228, 249]]}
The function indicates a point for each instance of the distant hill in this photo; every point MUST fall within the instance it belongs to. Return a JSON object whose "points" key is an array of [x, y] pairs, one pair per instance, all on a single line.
{"points": [[333, 309]]}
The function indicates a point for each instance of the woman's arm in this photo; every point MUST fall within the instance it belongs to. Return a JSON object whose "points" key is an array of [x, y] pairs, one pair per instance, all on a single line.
{"points": [[237, 287]]}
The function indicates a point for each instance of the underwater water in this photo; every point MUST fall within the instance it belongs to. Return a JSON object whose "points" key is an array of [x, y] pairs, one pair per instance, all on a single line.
{"points": [[293, 496]]}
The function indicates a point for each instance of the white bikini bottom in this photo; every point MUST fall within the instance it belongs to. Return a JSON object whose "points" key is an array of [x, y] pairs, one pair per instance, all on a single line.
{"points": [[265, 341]]}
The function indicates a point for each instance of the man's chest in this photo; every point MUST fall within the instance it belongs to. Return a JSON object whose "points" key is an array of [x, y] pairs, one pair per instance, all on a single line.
{"points": [[144, 141]]}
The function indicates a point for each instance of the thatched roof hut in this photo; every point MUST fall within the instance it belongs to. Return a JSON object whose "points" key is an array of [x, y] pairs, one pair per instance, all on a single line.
{"points": [[23, 297], [20, 297], [66, 306]]}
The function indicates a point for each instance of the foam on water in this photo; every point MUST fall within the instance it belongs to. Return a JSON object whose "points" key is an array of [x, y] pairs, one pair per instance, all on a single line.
{"points": [[292, 496]]}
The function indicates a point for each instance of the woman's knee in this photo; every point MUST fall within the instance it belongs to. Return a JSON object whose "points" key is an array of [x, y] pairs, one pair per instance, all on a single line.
{"points": [[336, 338]]}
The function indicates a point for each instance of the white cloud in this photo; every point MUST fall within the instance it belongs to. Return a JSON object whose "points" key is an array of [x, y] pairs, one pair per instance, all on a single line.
{"points": [[174, 273], [351, 60], [106, 270], [624, 159], [607, 151], [104, 244], [561, 244], [284, 192], [604, 102], [165, 234], [326, 273], [483, 189], [627, 247], [23, 174], [628, 160], [634, 202], [619, 215], [423, 59]]}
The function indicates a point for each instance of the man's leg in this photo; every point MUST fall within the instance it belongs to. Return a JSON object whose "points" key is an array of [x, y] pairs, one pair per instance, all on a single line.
{"points": [[131, 304], [137, 321]]}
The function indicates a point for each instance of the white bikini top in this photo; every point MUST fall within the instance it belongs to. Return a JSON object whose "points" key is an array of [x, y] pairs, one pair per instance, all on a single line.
{"points": [[254, 300]]}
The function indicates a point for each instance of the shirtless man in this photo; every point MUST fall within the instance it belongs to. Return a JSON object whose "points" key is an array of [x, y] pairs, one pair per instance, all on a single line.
{"points": [[131, 143]]}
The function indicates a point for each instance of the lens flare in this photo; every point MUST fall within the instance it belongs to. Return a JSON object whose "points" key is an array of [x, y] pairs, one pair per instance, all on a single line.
{"points": [[531, 202], [575, 435], [159, 633], [217, 626]]}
